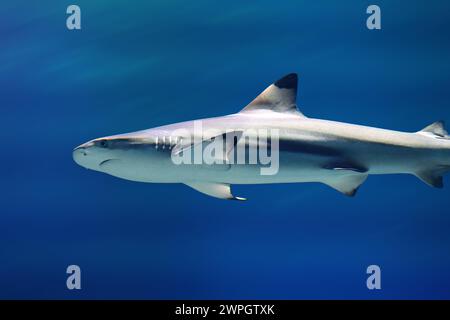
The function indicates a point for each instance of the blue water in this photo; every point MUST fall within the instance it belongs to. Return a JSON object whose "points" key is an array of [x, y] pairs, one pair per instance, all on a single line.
{"points": [[135, 66]]}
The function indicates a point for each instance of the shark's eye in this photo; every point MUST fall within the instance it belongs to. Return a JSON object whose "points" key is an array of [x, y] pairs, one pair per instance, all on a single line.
{"points": [[103, 143]]}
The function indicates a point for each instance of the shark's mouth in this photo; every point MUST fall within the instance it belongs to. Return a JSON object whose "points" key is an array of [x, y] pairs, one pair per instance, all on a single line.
{"points": [[106, 161]]}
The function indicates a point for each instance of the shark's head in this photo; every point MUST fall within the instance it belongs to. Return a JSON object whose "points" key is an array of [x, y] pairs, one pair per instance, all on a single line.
{"points": [[121, 155], [96, 153]]}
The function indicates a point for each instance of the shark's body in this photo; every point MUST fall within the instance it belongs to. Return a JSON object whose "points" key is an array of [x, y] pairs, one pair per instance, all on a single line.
{"points": [[338, 154]]}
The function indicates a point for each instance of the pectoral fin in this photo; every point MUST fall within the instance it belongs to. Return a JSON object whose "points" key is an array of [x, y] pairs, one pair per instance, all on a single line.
{"points": [[214, 189], [224, 146]]}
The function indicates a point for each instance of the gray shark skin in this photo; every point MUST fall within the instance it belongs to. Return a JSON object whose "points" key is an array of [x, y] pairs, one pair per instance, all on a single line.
{"points": [[337, 154]]}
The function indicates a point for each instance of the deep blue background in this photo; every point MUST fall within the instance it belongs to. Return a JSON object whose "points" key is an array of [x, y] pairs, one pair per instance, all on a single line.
{"points": [[135, 66]]}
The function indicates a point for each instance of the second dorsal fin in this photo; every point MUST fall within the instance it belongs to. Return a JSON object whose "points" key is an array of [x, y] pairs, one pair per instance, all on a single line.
{"points": [[437, 129], [278, 97]]}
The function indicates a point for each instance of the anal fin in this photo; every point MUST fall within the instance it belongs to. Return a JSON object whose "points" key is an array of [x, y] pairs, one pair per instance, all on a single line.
{"points": [[347, 184], [214, 189]]}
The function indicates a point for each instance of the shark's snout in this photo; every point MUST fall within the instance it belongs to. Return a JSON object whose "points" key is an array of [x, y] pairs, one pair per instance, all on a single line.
{"points": [[79, 154], [85, 156]]}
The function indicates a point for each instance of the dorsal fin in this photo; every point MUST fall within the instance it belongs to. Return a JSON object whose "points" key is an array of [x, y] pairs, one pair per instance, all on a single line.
{"points": [[279, 97], [437, 128]]}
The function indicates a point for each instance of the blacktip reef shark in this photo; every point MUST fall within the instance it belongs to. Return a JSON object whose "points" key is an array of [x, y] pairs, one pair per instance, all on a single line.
{"points": [[337, 154]]}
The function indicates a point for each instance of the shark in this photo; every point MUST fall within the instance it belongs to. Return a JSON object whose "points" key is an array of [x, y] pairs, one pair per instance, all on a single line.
{"points": [[337, 154]]}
